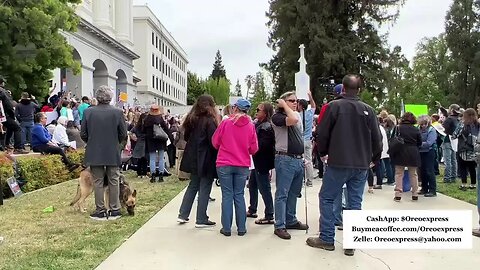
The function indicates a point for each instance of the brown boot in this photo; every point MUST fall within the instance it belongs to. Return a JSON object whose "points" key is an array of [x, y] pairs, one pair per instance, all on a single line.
{"points": [[282, 233], [316, 242]]}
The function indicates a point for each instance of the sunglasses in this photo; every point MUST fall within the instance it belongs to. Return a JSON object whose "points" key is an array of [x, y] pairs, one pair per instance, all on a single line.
{"points": [[291, 100]]}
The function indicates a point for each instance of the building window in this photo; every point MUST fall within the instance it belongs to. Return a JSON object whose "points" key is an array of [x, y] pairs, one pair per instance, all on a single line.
{"points": [[153, 81], [157, 83], [156, 62], [153, 38], [156, 42], [153, 60]]}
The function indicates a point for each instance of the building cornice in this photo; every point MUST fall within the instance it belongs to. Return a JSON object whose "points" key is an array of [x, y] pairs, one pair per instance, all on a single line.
{"points": [[87, 26]]}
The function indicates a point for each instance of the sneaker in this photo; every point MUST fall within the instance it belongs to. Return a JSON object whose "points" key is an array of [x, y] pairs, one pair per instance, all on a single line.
{"points": [[463, 188], [20, 152], [205, 225], [211, 199], [430, 195], [309, 183], [377, 187], [297, 226], [114, 214], [183, 220], [316, 242], [397, 199], [472, 187], [349, 252], [340, 227], [100, 216], [241, 233], [476, 232], [282, 233]]}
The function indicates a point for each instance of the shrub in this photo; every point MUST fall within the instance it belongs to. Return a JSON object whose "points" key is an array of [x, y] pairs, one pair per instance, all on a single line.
{"points": [[41, 171]]}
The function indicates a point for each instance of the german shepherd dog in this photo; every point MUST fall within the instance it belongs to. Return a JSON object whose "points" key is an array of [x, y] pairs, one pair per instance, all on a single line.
{"points": [[128, 197]]}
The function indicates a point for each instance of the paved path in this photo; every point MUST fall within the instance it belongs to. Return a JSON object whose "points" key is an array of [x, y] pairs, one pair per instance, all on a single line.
{"points": [[162, 244]]}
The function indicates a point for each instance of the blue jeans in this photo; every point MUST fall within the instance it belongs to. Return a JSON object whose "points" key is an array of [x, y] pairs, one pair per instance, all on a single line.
{"points": [[333, 181], [338, 205], [290, 172], [389, 170], [153, 161], [260, 182], [26, 132], [233, 181], [450, 160], [202, 186], [427, 172]]}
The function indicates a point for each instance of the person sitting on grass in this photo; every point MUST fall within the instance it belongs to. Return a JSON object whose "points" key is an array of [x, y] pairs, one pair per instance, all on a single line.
{"points": [[42, 141]]}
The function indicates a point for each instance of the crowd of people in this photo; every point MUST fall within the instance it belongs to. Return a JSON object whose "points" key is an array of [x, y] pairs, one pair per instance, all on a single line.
{"points": [[288, 137]]}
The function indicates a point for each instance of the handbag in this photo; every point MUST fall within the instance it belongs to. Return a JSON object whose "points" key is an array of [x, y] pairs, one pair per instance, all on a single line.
{"points": [[396, 142], [159, 133]]}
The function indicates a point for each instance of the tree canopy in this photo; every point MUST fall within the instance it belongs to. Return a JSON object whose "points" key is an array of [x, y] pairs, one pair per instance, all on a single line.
{"points": [[218, 71], [340, 37], [31, 44]]}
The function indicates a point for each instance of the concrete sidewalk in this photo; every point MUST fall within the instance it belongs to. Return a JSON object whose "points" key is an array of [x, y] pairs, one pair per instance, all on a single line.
{"points": [[163, 244]]}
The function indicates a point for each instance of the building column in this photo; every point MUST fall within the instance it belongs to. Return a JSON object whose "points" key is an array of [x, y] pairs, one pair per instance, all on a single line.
{"points": [[124, 21], [87, 81], [112, 82], [102, 16]]}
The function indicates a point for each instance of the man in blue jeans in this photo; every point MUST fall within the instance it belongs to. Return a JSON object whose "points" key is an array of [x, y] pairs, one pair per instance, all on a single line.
{"points": [[289, 165], [348, 139], [449, 154]]}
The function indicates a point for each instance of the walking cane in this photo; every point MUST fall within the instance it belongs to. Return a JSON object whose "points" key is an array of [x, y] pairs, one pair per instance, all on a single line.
{"points": [[304, 176]]}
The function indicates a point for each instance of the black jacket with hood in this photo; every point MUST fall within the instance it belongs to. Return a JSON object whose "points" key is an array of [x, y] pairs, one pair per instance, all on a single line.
{"points": [[349, 134]]}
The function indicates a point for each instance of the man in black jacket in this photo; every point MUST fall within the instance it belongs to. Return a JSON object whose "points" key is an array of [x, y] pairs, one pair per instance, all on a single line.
{"points": [[13, 129], [449, 154], [349, 140]]}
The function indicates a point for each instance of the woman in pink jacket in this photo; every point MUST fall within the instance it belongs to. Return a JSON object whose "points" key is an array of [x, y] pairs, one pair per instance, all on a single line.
{"points": [[235, 140]]}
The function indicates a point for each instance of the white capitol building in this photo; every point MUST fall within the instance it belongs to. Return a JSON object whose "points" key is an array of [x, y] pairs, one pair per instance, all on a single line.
{"points": [[127, 48]]}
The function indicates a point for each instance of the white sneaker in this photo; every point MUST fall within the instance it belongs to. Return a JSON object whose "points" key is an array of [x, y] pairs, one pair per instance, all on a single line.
{"points": [[182, 221]]}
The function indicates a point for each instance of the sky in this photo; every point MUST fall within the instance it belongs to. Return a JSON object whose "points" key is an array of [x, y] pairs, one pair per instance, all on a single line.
{"points": [[238, 30]]}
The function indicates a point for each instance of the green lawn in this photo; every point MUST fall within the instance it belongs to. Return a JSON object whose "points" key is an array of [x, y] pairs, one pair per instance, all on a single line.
{"points": [[66, 239], [452, 190]]}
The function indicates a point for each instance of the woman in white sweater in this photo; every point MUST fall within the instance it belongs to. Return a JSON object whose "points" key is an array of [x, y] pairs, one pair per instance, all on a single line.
{"points": [[60, 133]]}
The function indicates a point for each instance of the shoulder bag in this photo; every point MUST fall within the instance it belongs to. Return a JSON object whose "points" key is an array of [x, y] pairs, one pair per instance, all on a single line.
{"points": [[396, 142], [159, 133]]}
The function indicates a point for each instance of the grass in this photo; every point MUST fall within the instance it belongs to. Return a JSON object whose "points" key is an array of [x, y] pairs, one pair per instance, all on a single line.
{"points": [[66, 239], [452, 190]]}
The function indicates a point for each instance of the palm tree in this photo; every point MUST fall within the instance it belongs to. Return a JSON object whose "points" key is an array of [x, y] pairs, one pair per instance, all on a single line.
{"points": [[250, 81]]}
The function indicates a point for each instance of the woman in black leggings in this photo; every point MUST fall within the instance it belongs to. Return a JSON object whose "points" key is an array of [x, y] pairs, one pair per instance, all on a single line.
{"points": [[467, 132]]}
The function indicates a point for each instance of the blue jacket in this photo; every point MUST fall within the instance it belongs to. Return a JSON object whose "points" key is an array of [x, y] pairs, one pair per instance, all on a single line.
{"points": [[429, 139], [40, 135]]}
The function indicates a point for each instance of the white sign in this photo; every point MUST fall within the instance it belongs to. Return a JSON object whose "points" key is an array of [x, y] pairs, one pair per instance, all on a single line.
{"points": [[407, 229]]}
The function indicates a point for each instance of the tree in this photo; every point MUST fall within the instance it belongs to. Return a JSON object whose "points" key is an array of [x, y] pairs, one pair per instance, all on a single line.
{"points": [[462, 28], [31, 44], [250, 81], [219, 89], [259, 93], [218, 68], [340, 37], [238, 89], [195, 87]]}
